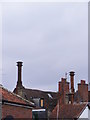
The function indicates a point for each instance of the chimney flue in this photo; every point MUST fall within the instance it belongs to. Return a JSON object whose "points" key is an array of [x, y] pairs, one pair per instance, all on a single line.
{"points": [[72, 81], [19, 82]]}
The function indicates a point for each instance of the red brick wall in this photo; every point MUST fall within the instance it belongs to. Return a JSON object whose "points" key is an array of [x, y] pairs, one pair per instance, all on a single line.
{"points": [[16, 112]]}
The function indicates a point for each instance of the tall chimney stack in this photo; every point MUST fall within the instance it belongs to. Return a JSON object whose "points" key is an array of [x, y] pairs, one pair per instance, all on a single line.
{"points": [[19, 82], [72, 81]]}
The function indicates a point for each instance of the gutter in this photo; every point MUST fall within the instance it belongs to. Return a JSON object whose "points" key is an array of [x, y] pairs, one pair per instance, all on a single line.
{"points": [[6, 102]]}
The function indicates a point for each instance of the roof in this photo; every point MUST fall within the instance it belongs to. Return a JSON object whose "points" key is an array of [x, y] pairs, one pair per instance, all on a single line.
{"points": [[50, 98], [10, 96], [68, 111]]}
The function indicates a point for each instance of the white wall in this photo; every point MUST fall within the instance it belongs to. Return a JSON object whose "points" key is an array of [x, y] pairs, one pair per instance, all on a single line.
{"points": [[85, 114]]}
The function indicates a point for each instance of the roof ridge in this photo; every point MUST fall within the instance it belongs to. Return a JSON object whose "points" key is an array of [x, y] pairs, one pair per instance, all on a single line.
{"points": [[41, 90]]}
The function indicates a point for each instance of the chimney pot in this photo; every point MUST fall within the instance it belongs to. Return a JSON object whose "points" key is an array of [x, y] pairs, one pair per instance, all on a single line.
{"points": [[82, 81], [63, 79], [72, 73], [19, 63]]}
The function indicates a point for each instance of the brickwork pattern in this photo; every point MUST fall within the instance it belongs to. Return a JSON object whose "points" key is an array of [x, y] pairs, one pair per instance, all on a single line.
{"points": [[16, 112]]}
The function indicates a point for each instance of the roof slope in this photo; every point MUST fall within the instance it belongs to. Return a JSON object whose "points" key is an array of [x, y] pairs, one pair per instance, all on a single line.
{"points": [[9, 96], [68, 111], [50, 98]]}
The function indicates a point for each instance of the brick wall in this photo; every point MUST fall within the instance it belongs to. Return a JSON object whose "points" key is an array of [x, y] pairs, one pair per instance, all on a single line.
{"points": [[16, 112]]}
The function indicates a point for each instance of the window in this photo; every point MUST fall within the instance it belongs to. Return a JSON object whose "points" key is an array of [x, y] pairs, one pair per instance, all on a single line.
{"points": [[42, 102], [9, 117]]}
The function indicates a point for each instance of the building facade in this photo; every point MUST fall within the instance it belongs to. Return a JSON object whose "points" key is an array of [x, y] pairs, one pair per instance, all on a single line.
{"points": [[14, 106]]}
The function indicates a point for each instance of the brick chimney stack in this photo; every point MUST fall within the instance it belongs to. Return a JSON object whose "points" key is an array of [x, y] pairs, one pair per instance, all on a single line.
{"points": [[72, 86], [72, 81], [63, 89], [19, 82], [83, 91]]}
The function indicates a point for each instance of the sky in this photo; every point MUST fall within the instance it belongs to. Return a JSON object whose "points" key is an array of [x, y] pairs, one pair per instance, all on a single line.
{"points": [[49, 38], [0, 44]]}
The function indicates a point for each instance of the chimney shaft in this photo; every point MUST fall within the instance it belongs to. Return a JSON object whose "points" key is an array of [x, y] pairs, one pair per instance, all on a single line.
{"points": [[72, 81], [19, 82], [59, 89]]}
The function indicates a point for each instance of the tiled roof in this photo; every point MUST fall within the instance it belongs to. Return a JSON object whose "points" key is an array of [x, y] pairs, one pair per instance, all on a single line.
{"points": [[9, 96], [68, 111], [49, 102], [50, 98]]}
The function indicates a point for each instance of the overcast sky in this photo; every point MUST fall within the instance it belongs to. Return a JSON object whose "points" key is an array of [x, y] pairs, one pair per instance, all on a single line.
{"points": [[49, 38]]}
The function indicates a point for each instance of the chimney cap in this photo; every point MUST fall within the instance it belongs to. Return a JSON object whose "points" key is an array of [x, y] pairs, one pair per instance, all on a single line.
{"points": [[19, 63], [72, 73]]}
